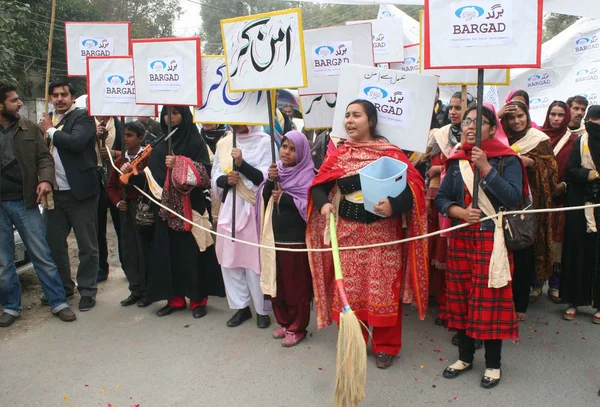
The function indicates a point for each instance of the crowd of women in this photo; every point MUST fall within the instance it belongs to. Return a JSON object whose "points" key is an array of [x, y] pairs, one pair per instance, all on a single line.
{"points": [[224, 178]]}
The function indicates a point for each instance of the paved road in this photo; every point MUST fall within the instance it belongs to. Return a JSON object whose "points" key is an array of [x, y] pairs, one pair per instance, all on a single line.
{"points": [[126, 356]]}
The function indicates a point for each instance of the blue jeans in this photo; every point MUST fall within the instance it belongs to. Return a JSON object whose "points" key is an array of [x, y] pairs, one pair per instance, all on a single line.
{"points": [[30, 225]]}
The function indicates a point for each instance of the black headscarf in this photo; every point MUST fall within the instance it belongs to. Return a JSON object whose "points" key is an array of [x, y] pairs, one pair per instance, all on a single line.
{"points": [[186, 141], [212, 137], [593, 130]]}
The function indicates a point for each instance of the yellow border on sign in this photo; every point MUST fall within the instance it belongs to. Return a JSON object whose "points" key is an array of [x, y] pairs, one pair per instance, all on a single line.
{"points": [[270, 14], [230, 123], [303, 115], [505, 83]]}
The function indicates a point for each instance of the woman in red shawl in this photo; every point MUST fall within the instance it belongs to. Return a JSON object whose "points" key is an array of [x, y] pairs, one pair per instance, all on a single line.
{"points": [[556, 127], [377, 280], [479, 300]]}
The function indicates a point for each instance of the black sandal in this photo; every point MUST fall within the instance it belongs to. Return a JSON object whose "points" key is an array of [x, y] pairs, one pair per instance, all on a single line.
{"points": [[489, 383], [451, 373]]}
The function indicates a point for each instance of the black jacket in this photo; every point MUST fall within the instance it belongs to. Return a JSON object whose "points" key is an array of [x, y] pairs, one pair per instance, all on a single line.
{"points": [[75, 144]]}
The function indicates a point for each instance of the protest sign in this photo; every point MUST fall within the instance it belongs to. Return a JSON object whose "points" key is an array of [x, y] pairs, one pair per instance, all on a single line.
{"points": [[401, 99], [265, 51], [221, 106], [94, 40], [167, 71], [318, 111], [410, 26], [388, 39], [111, 88], [411, 61], [489, 34], [328, 49]]}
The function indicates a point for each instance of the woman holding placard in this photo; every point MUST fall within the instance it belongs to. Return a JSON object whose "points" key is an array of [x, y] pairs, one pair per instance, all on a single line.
{"points": [[479, 301], [378, 280], [535, 151], [285, 276]]}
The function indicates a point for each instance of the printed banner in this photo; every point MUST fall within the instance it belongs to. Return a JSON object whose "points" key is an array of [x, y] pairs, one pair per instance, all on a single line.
{"points": [[399, 99], [488, 23], [411, 61], [265, 51], [167, 71], [111, 88], [221, 106], [571, 66], [388, 39], [329, 49], [490, 34], [328, 58], [94, 39], [318, 111]]}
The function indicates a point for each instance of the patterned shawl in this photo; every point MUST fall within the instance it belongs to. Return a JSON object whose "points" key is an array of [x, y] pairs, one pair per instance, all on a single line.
{"points": [[344, 162]]}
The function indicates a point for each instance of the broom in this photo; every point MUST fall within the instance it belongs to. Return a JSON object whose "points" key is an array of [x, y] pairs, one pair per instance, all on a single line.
{"points": [[351, 366]]}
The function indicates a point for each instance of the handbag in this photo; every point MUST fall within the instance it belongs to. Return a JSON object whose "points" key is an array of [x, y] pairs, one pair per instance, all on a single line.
{"points": [[519, 230]]}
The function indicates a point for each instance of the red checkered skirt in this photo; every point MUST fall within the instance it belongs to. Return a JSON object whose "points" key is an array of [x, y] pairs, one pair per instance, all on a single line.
{"points": [[485, 313]]}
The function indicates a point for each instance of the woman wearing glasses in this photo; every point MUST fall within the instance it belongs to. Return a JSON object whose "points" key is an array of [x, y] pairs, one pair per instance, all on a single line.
{"points": [[479, 300]]}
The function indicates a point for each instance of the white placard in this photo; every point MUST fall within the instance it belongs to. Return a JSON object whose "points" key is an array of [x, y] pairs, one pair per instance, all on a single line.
{"points": [[411, 60], [327, 59], [265, 51], [388, 39], [318, 111], [399, 98], [461, 76], [491, 34], [220, 106], [410, 26], [96, 39], [167, 71], [357, 36], [111, 88]]}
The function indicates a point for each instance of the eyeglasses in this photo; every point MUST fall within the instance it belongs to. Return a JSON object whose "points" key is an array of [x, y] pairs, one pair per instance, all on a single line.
{"points": [[467, 122]]}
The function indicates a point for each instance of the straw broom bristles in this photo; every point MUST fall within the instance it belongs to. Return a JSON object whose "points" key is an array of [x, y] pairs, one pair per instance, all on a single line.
{"points": [[351, 366]]}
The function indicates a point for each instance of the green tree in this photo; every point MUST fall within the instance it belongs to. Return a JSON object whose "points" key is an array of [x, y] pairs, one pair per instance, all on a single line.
{"points": [[11, 44], [557, 23], [149, 18]]}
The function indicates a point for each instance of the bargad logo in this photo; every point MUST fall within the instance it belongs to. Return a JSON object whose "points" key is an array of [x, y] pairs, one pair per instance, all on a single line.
{"points": [[411, 64], [586, 75], [592, 98], [95, 47], [328, 58], [165, 73], [539, 81], [391, 103], [586, 45], [487, 23], [469, 13], [119, 88], [380, 43], [541, 102]]}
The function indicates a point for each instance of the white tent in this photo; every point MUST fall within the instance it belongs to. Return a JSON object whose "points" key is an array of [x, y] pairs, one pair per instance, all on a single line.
{"points": [[586, 8], [570, 66]]}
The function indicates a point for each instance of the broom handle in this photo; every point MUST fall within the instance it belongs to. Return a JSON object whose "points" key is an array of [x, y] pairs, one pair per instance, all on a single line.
{"points": [[337, 264]]}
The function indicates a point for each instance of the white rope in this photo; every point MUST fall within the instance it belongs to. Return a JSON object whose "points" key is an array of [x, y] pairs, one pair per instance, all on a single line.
{"points": [[383, 244]]}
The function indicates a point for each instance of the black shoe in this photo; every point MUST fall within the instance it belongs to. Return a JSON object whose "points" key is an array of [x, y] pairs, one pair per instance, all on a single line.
{"points": [[66, 315], [450, 373], [263, 321], [44, 300], [439, 322], [489, 383], [199, 312], [86, 303], [101, 277], [131, 300], [144, 302], [478, 344], [239, 317], [168, 310], [7, 320], [384, 360]]}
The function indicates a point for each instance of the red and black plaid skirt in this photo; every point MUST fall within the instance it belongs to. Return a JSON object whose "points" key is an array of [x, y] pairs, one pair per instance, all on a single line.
{"points": [[485, 313]]}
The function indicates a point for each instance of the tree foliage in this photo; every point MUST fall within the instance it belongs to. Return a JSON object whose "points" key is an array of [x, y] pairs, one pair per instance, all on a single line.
{"points": [[313, 16], [557, 23]]}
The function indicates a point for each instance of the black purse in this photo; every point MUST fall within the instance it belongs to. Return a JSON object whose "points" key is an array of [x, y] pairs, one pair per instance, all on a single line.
{"points": [[519, 230]]}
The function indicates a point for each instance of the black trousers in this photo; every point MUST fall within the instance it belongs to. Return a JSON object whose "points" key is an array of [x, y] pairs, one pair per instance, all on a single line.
{"points": [[524, 268], [132, 249], [104, 205], [466, 350]]}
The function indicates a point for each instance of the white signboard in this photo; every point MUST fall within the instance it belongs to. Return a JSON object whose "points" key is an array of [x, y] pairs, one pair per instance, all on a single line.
{"points": [[94, 40], [491, 34], [221, 106], [399, 98], [318, 111], [411, 60], [332, 47], [111, 88], [410, 26], [388, 39], [265, 51], [167, 71]]}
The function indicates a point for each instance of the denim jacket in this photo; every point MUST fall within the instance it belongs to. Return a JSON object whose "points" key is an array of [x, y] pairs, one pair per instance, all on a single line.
{"points": [[503, 191]]}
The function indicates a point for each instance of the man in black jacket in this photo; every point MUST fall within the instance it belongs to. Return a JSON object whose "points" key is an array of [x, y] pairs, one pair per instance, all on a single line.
{"points": [[72, 135]]}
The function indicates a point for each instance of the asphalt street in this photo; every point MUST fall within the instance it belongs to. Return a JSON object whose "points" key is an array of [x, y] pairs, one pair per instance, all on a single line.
{"points": [[122, 357]]}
